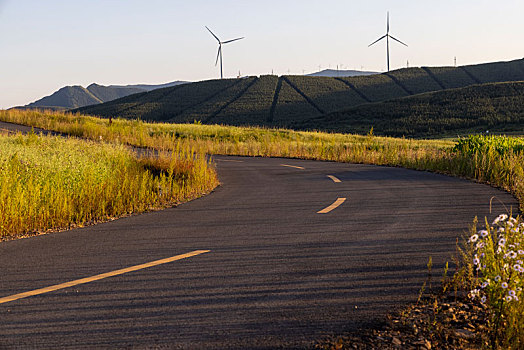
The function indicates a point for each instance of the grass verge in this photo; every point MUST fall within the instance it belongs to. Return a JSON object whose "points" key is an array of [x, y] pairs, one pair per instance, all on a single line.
{"points": [[50, 183]]}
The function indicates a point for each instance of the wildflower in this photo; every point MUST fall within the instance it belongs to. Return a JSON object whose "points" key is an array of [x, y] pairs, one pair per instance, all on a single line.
{"points": [[483, 299], [483, 233], [484, 284], [474, 293], [480, 245], [502, 242], [474, 238], [476, 260], [497, 278], [501, 217], [508, 298], [504, 285], [500, 230], [521, 252], [517, 267], [512, 293], [512, 254]]}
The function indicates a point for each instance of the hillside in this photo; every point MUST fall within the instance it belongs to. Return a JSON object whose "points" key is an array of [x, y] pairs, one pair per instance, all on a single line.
{"points": [[77, 96], [290, 100], [497, 107]]}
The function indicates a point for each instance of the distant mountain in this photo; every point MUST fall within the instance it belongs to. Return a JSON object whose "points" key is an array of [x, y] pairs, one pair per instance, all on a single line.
{"points": [[67, 97], [70, 97], [340, 73]]}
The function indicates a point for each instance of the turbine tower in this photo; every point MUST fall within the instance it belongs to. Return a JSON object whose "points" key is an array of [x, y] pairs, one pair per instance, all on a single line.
{"points": [[219, 55], [387, 36]]}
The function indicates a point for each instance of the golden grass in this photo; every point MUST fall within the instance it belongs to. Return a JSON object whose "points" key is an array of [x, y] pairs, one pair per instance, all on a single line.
{"points": [[49, 183]]}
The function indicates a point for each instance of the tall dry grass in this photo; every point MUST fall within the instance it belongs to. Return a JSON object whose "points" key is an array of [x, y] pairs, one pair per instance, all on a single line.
{"points": [[50, 182]]}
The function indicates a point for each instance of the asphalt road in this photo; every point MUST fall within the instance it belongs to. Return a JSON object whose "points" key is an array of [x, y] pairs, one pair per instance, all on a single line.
{"points": [[277, 274]]}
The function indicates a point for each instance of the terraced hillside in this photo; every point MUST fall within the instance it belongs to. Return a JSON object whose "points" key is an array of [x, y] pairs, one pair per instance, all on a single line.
{"points": [[496, 107], [290, 100]]}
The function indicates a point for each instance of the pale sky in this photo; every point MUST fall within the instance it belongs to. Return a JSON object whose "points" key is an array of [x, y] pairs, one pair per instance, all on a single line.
{"points": [[47, 44]]}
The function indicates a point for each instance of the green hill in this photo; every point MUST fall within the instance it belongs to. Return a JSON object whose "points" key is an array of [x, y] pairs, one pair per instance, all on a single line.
{"points": [[497, 107], [290, 100]]}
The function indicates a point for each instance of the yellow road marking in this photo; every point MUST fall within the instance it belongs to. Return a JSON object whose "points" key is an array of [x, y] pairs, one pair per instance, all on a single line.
{"points": [[230, 160], [99, 277], [338, 202], [334, 178], [293, 166]]}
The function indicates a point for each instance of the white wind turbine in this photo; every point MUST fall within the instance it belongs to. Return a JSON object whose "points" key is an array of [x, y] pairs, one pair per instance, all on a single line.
{"points": [[387, 36], [219, 55]]}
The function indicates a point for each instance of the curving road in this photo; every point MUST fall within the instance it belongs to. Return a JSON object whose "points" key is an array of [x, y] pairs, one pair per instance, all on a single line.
{"points": [[279, 272]]}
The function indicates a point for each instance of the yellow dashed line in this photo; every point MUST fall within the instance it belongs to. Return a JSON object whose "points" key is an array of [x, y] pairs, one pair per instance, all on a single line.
{"points": [[101, 276], [293, 166], [333, 178], [333, 206]]}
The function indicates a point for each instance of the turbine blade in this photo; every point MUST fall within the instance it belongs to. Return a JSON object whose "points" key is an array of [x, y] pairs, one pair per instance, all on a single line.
{"points": [[388, 23], [398, 40], [230, 41], [376, 41], [218, 54], [212, 33]]}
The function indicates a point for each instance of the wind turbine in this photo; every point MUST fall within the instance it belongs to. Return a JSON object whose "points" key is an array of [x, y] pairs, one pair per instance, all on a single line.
{"points": [[219, 55], [387, 36]]}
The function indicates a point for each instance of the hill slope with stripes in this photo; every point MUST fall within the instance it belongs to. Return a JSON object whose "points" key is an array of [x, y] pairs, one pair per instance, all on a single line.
{"points": [[292, 100]]}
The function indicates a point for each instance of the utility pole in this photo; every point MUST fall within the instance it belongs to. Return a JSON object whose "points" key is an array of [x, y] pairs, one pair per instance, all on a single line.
{"points": [[455, 61]]}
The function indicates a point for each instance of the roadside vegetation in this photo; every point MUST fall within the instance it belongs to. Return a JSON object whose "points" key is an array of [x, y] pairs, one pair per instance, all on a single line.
{"points": [[496, 160], [53, 183]]}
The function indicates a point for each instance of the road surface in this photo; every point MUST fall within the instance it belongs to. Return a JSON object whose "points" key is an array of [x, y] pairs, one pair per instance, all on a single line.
{"points": [[285, 252]]}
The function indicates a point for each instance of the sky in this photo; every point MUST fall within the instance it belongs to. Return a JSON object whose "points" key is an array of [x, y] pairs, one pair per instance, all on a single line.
{"points": [[48, 44]]}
